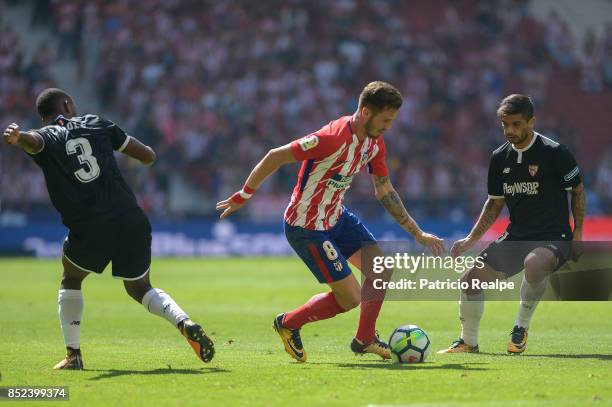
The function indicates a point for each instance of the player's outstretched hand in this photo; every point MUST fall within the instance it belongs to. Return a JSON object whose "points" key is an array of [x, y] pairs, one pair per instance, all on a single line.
{"points": [[461, 246], [11, 134], [432, 242], [228, 207]]}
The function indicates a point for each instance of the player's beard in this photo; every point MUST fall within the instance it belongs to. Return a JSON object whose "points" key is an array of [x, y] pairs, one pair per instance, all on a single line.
{"points": [[524, 135], [369, 130]]}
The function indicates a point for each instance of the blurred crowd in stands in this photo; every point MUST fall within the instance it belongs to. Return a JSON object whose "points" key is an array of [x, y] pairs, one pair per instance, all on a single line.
{"points": [[212, 85]]}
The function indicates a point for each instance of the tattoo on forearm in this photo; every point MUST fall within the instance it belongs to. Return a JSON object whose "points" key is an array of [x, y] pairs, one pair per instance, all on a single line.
{"points": [[379, 181], [578, 206], [490, 212], [393, 204]]}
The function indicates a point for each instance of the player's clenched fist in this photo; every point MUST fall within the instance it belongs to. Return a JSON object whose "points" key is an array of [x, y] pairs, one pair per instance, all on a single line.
{"points": [[11, 134]]}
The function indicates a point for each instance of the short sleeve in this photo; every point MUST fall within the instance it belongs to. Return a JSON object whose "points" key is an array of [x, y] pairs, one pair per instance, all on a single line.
{"points": [[495, 181], [378, 165], [119, 138], [566, 167], [316, 145], [50, 135], [46, 135]]}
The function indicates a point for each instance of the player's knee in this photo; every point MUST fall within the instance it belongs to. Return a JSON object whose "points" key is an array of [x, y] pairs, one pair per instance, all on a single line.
{"points": [[136, 289], [355, 300], [537, 265], [349, 300], [69, 283], [531, 264], [72, 276]]}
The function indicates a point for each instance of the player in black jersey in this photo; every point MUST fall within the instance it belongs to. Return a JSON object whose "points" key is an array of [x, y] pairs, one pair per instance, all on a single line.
{"points": [[532, 175], [76, 155]]}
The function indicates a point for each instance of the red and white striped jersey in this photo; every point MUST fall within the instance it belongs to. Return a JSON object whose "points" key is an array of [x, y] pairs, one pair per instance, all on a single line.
{"points": [[331, 158]]}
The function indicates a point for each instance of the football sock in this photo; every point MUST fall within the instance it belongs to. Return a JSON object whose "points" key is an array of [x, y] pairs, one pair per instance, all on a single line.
{"points": [[320, 306], [371, 303], [70, 311], [157, 302], [366, 331], [530, 297], [471, 308]]}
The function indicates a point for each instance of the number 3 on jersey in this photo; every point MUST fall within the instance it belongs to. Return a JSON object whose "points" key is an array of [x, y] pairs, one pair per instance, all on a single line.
{"points": [[93, 169]]}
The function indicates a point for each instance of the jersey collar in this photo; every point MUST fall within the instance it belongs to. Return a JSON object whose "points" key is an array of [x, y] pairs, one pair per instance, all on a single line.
{"points": [[61, 120], [520, 150], [351, 124]]}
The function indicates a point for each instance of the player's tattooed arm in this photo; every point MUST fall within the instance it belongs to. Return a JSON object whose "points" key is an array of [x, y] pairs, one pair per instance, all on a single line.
{"points": [[30, 142], [391, 201], [578, 209], [490, 211]]}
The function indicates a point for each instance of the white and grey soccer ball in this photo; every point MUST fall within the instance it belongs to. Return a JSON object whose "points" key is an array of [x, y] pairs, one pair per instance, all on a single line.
{"points": [[409, 344]]}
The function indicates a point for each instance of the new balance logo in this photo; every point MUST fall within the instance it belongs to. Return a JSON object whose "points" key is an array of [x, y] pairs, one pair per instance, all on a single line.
{"points": [[506, 170], [77, 323]]}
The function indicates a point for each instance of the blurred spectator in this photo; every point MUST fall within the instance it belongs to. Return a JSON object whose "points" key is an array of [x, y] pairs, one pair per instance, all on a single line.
{"points": [[68, 23], [607, 56], [603, 184], [560, 40], [592, 80]]}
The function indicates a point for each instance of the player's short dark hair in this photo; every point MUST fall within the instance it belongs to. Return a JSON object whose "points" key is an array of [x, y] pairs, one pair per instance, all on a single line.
{"points": [[49, 102], [516, 104], [380, 95]]}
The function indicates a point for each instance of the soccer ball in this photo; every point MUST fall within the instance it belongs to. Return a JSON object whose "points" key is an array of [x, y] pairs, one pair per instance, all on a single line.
{"points": [[409, 344]]}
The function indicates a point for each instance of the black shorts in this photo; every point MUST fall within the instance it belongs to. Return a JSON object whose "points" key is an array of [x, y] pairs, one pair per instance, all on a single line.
{"points": [[507, 254], [125, 241]]}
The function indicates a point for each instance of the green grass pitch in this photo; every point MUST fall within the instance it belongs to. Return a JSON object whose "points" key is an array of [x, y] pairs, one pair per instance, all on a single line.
{"points": [[134, 358]]}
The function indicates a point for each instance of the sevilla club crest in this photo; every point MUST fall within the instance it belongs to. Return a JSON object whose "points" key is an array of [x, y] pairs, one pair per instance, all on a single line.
{"points": [[533, 170]]}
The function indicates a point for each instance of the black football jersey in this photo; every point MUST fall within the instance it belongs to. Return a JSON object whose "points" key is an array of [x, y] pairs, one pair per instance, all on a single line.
{"points": [[534, 182], [82, 176]]}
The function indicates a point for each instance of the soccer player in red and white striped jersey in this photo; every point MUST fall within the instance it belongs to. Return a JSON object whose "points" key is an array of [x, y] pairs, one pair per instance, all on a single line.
{"points": [[322, 231], [316, 203]]}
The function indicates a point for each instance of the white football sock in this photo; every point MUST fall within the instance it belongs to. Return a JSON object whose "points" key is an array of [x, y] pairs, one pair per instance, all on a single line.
{"points": [[70, 311], [530, 297], [471, 308], [157, 302]]}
